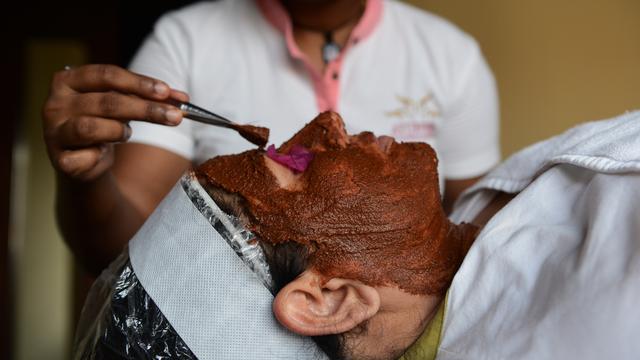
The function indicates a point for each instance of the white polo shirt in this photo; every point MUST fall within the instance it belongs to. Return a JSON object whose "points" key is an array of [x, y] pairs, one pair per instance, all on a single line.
{"points": [[404, 72]]}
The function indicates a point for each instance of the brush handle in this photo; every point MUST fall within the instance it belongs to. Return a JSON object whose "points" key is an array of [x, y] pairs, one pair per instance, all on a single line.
{"points": [[199, 114]]}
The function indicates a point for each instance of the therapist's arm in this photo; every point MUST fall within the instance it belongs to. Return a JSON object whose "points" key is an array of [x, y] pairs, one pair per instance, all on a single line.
{"points": [[97, 218], [453, 189]]}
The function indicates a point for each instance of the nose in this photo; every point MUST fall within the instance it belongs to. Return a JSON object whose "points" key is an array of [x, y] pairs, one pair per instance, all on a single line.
{"points": [[384, 142]]}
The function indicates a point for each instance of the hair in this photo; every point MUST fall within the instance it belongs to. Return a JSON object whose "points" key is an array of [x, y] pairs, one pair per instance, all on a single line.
{"points": [[286, 262]]}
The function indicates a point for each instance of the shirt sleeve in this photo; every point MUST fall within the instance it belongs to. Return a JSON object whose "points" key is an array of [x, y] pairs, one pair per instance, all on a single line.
{"points": [[469, 135], [164, 56]]}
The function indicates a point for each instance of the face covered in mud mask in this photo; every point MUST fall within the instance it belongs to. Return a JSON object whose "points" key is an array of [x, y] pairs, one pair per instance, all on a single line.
{"points": [[368, 208]]}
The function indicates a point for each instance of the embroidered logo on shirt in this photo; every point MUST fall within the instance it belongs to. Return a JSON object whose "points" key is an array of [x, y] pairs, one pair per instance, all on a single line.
{"points": [[416, 118]]}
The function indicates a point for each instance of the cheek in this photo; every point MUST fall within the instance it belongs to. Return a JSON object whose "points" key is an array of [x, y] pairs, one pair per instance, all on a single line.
{"points": [[405, 317]]}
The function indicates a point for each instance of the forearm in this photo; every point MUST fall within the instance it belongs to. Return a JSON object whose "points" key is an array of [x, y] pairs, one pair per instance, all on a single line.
{"points": [[95, 218]]}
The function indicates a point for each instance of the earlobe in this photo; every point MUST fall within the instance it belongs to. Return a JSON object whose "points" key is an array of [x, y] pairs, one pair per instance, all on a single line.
{"points": [[309, 307]]}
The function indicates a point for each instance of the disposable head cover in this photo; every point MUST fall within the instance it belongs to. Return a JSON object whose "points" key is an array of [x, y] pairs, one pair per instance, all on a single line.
{"points": [[186, 293]]}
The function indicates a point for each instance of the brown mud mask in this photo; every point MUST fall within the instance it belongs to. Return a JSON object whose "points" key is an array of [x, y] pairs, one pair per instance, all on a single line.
{"points": [[368, 208], [254, 134]]}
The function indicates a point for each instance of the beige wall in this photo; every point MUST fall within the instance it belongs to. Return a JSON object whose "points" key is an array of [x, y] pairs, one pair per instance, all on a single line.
{"points": [[557, 63]]}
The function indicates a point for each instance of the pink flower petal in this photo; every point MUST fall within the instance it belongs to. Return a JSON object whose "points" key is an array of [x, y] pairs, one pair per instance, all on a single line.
{"points": [[297, 159]]}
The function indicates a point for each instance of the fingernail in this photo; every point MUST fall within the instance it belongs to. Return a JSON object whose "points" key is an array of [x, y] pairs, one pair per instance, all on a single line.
{"points": [[127, 133], [173, 116], [161, 89]]}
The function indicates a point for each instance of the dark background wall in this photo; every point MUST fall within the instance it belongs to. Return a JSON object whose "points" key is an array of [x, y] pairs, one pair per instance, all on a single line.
{"points": [[110, 31]]}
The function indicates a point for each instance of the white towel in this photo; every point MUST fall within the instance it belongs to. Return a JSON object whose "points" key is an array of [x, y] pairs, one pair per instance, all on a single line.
{"points": [[556, 273], [607, 146]]}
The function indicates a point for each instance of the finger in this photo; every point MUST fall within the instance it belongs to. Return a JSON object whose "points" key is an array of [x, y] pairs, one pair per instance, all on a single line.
{"points": [[113, 105], [97, 78], [78, 162], [179, 95], [87, 130]]}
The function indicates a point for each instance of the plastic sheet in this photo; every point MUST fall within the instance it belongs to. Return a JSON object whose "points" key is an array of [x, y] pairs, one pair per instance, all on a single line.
{"points": [[121, 321], [241, 240]]}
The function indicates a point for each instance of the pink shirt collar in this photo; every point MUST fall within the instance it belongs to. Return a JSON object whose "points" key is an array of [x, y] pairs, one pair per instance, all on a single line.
{"points": [[326, 85], [276, 14]]}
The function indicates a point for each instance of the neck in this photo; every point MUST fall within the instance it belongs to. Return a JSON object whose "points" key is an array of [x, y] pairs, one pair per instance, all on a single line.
{"points": [[323, 15], [317, 23]]}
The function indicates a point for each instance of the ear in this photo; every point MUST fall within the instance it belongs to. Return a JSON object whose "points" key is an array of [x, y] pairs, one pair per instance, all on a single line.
{"points": [[309, 307]]}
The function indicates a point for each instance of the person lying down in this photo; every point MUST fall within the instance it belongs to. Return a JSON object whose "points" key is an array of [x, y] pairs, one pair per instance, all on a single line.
{"points": [[342, 240]]}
